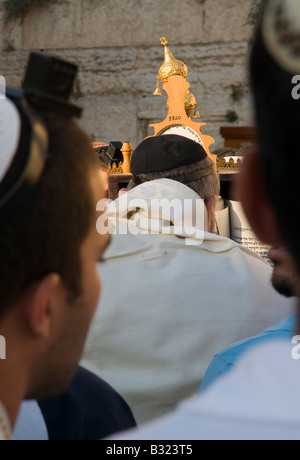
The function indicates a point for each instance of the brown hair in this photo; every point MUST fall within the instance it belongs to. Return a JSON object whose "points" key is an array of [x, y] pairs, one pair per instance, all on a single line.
{"points": [[205, 187], [45, 234]]}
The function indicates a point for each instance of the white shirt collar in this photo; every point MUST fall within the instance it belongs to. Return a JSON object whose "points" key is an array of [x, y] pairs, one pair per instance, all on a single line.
{"points": [[5, 428]]}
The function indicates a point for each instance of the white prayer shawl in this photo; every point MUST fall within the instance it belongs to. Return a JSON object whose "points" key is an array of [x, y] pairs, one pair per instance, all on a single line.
{"points": [[167, 307], [257, 400], [161, 207]]}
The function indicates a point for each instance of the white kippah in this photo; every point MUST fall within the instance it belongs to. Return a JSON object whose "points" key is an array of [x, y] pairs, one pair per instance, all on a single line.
{"points": [[10, 129], [281, 33]]}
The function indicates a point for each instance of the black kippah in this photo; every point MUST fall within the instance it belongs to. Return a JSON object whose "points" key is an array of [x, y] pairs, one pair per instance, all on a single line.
{"points": [[162, 153]]}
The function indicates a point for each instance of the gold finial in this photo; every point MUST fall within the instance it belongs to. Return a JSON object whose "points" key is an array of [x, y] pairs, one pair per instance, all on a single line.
{"points": [[127, 152], [157, 92], [196, 114], [170, 67]]}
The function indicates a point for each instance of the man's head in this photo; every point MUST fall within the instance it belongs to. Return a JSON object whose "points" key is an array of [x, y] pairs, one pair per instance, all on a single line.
{"points": [[180, 159], [270, 177], [49, 285]]}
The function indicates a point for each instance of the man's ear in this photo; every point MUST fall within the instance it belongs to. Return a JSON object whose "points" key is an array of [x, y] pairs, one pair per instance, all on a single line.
{"points": [[41, 300], [252, 194], [210, 206]]}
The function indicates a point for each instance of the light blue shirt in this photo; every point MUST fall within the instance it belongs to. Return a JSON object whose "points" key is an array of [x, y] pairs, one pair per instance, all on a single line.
{"points": [[30, 425], [226, 359]]}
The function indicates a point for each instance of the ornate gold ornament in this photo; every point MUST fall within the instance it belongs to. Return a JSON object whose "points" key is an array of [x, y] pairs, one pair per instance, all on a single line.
{"points": [[228, 163], [115, 169], [124, 166], [171, 67], [182, 104]]}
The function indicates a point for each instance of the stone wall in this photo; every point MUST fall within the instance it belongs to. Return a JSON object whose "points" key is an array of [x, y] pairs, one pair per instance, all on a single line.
{"points": [[116, 44]]}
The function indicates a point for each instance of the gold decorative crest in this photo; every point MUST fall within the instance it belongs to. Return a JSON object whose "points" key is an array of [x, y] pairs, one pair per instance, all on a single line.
{"points": [[115, 169], [228, 163]]}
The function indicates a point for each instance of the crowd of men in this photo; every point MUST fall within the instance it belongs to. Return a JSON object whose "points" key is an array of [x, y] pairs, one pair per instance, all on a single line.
{"points": [[190, 340]]}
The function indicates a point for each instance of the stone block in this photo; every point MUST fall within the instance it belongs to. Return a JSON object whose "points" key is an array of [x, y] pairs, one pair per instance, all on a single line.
{"points": [[54, 26], [114, 23], [116, 45], [10, 34], [12, 65], [152, 109], [226, 21], [88, 120], [110, 118]]}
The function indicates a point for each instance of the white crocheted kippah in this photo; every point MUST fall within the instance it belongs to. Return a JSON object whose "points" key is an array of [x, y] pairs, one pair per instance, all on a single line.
{"points": [[281, 33]]}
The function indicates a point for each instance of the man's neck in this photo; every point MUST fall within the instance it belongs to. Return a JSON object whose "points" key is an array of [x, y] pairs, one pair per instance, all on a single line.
{"points": [[11, 390], [13, 373]]}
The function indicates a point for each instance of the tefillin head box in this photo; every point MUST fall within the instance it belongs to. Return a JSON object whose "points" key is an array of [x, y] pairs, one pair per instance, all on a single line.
{"points": [[50, 75]]}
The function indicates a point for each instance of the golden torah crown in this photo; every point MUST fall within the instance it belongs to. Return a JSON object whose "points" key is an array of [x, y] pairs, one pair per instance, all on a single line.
{"points": [[170, 67]]}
